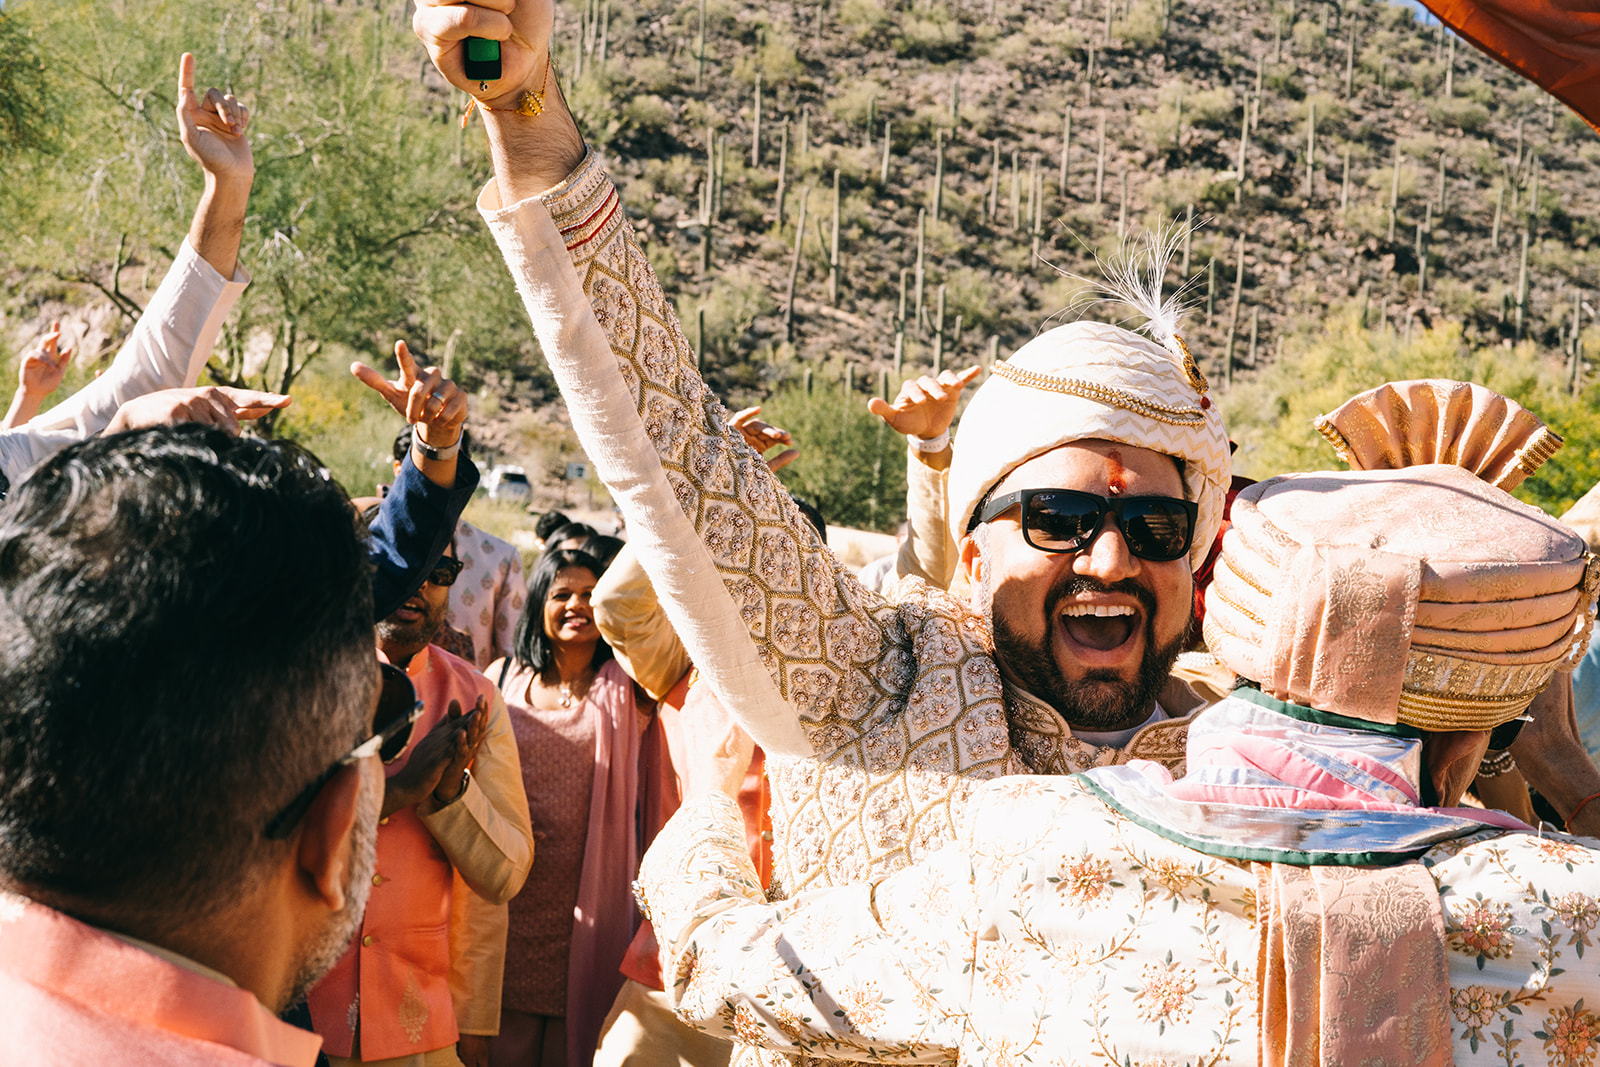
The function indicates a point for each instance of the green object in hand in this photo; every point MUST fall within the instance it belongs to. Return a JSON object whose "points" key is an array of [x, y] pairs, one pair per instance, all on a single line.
{"points": [[482, 59]]}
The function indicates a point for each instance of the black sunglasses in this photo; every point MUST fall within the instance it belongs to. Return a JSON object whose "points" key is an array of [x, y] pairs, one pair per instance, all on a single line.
{"points": [[397, 711], [1156, 528], [446, 571], [1502, 736]]}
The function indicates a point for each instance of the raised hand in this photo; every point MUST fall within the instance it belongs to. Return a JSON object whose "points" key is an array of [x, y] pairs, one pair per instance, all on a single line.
{"points": [[212, 129], [927, 405], [425, 397], [762, 437], [521, 26], [43, 368], [213, 405]]}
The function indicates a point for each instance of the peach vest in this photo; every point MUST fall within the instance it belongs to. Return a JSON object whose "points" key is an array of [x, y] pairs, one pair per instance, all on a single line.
{"points": [[394, 980]]}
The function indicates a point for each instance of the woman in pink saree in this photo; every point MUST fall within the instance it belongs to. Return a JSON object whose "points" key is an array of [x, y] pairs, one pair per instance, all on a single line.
{"points": [[578, 721]]}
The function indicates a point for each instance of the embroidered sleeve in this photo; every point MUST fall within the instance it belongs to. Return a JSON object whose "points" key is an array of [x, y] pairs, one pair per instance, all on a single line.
{"points": [[786, 631], [871, 971]]}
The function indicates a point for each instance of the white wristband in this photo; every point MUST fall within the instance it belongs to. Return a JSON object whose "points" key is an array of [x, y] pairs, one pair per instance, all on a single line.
{"points": [[930, 444]]}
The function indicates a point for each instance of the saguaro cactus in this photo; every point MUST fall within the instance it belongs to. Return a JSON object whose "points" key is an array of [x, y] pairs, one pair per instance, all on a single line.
{"points": [[1522, 286], [1244, 151], [938, 173], [755, 127], [1344, 184], [883, 169], [1499, 207], [938, 332], [700, 49], [1311, 150], [794, 266], [1100, 166], [1233, 314], [783, 171], [992, 211], [833, 247], [1188, 239], [921, 275], [1394, 193], [1066, 151], [1016, 194]]}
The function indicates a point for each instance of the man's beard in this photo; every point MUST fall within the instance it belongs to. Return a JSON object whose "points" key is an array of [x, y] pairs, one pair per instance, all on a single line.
{"points": [[326, 950], [1103, 701], [406, 639]]}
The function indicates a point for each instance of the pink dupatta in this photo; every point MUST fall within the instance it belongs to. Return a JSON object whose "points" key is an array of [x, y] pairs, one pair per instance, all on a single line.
{"points": [[604, 919]]}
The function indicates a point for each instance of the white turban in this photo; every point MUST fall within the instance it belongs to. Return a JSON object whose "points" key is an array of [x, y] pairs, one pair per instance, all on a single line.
{"points": [[1090, 380]]}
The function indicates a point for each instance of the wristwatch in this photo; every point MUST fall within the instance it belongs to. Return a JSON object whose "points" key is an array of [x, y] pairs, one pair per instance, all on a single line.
{"points": [[448, 452], [466, 776]]}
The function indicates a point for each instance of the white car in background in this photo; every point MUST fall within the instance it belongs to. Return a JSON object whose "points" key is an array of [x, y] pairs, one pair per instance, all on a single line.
{"points": [[508, 482]]}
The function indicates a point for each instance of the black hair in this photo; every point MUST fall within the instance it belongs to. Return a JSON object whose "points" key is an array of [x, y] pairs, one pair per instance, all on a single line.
{"points": [[402, 442], [532, 646], [603, 548], [572, 531], [549, 523], [812, 512], [185, 643]]}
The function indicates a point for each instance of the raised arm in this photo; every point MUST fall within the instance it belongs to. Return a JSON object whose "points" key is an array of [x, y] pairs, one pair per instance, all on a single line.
{"points": [[766, 613], [173, 339]]}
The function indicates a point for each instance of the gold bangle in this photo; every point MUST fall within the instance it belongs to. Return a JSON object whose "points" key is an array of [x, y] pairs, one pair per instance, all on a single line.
{"points": [[530, 103]]}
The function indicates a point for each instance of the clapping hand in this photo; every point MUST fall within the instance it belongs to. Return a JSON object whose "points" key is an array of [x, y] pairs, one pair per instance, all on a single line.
{"points": [[436, 763]]}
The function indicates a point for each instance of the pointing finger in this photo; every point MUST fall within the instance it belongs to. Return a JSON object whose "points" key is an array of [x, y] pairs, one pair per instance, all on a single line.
{"points": [[185, 76], [379, 384], [408, 366]]}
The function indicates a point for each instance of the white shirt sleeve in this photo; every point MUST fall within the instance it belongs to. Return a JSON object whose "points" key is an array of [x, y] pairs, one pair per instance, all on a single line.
{"points": [[169, 345]]}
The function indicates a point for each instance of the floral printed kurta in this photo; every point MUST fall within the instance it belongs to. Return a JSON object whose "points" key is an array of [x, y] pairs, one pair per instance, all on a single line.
{"points": [[1055, 931]]}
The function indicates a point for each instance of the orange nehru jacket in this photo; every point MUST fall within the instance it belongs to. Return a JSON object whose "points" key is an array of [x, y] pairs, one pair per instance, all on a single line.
{"points": [[393, 986]]}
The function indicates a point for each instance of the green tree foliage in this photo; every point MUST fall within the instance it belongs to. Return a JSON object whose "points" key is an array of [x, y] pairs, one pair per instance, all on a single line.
{"points": [[29, 107], [851, 465], [1271, 415], [361, 228]]}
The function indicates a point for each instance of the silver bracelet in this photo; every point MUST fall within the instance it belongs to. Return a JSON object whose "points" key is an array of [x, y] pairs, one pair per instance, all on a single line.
{"points": [[930, 444], [448, 452]]}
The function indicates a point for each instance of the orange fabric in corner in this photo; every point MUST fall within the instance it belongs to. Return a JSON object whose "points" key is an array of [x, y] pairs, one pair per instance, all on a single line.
{"points": [[1553, 43]]}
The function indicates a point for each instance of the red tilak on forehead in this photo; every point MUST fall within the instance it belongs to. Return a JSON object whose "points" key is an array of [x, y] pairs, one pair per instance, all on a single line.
{"points": [[1116, 474]]}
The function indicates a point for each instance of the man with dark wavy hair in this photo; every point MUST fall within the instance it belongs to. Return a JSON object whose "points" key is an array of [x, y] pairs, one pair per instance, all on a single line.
{"points": [[188, 798]]}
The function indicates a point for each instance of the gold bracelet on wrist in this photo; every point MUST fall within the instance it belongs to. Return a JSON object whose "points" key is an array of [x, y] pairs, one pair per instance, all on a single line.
{"points": [[530, 103]]}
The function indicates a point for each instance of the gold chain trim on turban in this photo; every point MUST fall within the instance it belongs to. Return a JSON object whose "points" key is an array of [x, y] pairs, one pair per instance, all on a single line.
{"points": [[1546, 443], [1457, 711], [1103, 394]]}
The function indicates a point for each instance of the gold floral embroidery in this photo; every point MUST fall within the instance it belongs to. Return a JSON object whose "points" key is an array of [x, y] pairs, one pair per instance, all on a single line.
{"points": [[413, 1009]]}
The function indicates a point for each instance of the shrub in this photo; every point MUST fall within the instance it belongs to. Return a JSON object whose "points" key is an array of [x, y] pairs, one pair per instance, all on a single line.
{"points": [[851, 466], [863, 18], [1464, 114], [932, 34]]}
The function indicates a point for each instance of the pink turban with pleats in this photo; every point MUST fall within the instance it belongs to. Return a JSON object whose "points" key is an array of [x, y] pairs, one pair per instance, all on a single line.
{"points": [[1416, 592]]}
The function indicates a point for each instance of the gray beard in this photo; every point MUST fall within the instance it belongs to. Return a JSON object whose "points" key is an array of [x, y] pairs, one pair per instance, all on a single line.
{"points": [[342, 927], [1103, 701]]}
